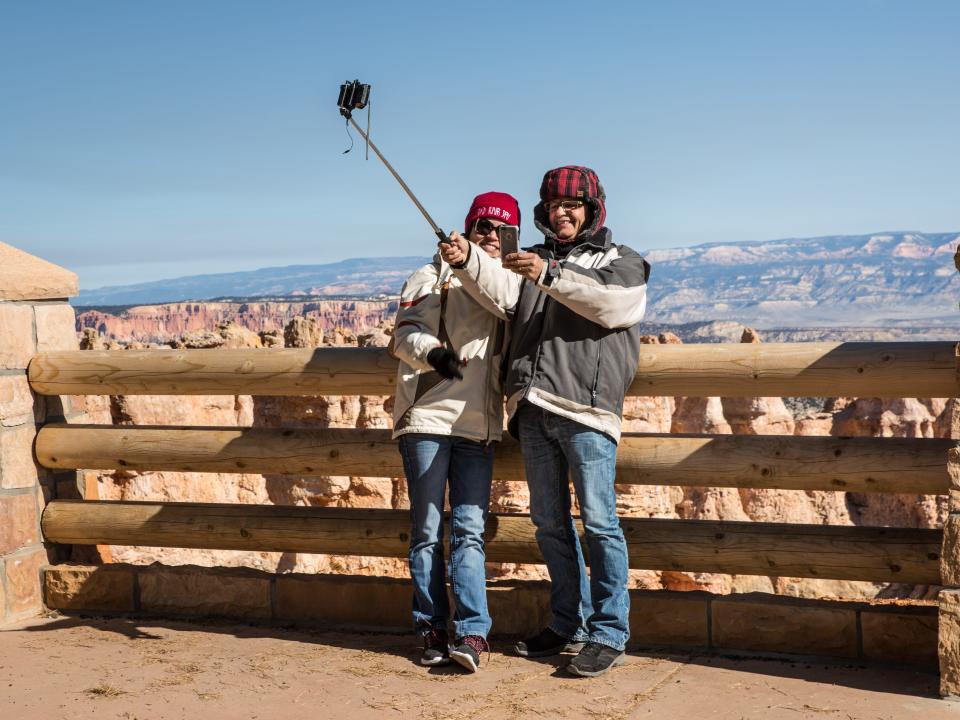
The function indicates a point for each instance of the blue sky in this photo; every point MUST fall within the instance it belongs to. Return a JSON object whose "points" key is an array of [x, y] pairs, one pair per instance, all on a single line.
{"points": [[147, 140]]}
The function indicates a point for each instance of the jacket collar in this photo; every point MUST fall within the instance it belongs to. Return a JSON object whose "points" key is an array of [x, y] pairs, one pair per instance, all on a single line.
{"points": [[601, 240]]}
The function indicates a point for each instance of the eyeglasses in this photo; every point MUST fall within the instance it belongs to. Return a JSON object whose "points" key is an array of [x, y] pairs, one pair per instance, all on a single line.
{"points": [[485, 227], [565, 205]]}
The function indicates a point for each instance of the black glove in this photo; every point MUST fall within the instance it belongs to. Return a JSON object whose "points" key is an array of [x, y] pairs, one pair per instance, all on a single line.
{"points": [[445, 361]]}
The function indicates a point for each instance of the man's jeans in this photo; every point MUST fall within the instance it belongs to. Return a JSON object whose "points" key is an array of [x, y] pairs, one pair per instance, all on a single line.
{"points": [[428, 461], [554, 448]]}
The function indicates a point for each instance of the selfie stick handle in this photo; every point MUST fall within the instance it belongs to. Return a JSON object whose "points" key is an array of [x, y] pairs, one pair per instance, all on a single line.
{"points": [[436, 228]]}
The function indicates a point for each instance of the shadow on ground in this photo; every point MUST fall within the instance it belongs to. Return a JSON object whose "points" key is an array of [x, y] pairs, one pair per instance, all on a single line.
{"points": [[852, 674]]}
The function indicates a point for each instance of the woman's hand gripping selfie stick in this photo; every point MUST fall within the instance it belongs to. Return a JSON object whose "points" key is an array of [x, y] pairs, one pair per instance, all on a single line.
{"points": [[355, 96]]}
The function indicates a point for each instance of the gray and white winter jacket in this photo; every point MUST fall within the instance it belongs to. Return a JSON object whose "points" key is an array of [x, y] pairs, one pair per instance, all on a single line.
{"points": [[436, 310], [575, 335]]}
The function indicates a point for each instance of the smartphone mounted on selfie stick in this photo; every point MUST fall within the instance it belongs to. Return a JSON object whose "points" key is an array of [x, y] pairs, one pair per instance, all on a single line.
{"points": [[356, 96]]}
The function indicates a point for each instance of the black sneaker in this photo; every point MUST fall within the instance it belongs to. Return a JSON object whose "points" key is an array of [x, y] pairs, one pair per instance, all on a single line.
{"points": [[546, 643], [468, 651], [595, 659], [435, 649]]}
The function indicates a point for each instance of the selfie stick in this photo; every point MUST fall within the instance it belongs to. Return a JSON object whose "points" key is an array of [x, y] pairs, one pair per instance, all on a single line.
{"points": [[436, 228]]}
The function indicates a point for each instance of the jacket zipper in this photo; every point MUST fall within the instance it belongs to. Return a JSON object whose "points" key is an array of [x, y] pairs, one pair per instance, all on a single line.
{"points": [[486, 393], [543, 328], [596, 378], [536, 358]]}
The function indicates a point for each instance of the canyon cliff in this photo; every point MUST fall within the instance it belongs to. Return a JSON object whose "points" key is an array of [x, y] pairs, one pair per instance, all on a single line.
{"points": [[169, 322]]}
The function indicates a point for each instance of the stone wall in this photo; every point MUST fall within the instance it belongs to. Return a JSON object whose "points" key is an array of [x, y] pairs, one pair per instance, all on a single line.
{"points": [[34, 317], [760, 624]]}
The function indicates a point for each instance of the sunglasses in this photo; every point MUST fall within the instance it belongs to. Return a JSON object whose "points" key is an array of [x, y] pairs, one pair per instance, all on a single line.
{"points": [[485, 227]]}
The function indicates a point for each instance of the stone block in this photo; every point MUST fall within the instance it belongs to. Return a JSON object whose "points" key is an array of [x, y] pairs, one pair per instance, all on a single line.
{"points": [[17, 468], [201, 591], [18, 521], [518, 608], [948, 643], [953, 472], [950, 551], [17, 345], [23, 581], [345, 600], [907, 636], [784, 626], [16, 401], [56, 328], [74, 407], [3, 594], [661, 618], [95, 409], [26, 277], [89, 587]]}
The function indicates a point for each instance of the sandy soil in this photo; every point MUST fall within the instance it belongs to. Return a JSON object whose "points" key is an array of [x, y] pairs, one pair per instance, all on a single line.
{"points": [[135, 669]]}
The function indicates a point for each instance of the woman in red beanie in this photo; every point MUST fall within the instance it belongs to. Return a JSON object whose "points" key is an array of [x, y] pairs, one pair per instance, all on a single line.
{"points": [[448, 416]]}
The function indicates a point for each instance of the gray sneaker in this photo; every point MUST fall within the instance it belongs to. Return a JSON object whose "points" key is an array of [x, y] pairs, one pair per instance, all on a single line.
{"points": [[595, 659], [435, 649], [468, 651], [546, 643]]}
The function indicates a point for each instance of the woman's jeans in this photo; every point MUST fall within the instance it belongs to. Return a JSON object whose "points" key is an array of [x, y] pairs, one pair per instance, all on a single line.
{"points": [[555, 448], [429, 461]]}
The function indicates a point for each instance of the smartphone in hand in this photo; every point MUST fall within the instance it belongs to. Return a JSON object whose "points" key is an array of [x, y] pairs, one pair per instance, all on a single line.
{"points": [[509, 239]]}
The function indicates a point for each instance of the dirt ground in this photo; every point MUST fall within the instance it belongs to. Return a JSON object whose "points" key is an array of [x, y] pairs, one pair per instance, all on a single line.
{"points": [[135, 669]]}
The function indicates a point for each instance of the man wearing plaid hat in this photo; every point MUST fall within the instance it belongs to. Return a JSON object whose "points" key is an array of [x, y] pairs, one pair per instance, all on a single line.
{"points": [[574, 303]]}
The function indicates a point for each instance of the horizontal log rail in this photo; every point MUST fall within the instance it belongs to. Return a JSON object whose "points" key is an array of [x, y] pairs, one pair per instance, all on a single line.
{"points": [[894, 465], [846, 553], [881, 369]]}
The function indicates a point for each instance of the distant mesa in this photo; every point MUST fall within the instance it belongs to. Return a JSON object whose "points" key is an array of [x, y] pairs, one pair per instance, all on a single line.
{"points": [[889, 279], [359, 277]]}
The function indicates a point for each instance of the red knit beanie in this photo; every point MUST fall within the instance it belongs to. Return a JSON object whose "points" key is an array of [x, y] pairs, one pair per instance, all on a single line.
{"points": [[493, 205]]}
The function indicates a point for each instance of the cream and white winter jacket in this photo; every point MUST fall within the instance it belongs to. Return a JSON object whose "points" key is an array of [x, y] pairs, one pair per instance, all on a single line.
{"points": [[425, 402]]}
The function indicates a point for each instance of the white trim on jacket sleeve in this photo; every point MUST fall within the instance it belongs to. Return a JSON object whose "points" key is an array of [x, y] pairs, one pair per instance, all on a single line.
{"points": [[496, 289], [418, 316], [613, 295]]}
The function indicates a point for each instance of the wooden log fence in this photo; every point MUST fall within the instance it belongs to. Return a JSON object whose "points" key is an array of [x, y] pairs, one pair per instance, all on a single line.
{"points": [[902, 465], [814, 551], [871, 369]]}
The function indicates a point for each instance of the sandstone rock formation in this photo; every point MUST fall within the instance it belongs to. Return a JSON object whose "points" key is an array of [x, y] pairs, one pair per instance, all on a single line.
{"points": [[169, 322], [262, 411], [910, 417]]}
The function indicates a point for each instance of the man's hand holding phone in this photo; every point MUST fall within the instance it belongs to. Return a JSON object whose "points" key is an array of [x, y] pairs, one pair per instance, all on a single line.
{"points": [[528, 264]]}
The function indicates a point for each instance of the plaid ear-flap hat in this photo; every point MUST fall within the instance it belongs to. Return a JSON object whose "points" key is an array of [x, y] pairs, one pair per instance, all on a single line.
{"points": [[576, 182]]}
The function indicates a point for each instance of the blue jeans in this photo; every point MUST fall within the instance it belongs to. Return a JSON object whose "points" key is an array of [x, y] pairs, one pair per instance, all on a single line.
{"points": [[429, 461], [555, 448]]}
